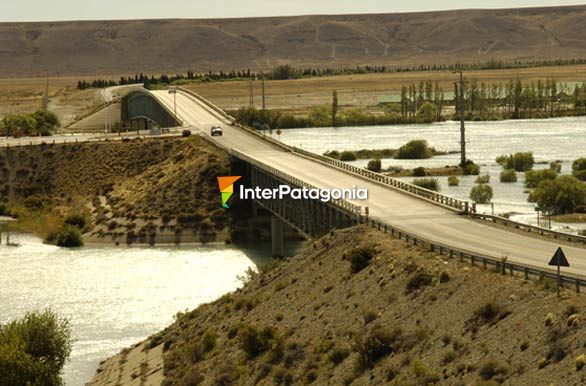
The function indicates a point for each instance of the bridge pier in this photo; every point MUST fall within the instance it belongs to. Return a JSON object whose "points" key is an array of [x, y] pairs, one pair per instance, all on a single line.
{"points": [[277, 237]]}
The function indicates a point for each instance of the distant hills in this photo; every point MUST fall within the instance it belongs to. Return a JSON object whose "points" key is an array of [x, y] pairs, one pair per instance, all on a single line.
{"points": [[163, 46]]}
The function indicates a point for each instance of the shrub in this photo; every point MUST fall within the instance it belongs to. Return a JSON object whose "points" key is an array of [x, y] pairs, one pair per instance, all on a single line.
{"points": [[374, 165], [419, 172], [419, 280], [254, 341], [520, 162], [561, 195], [534, 177], [508, 175], [579, 169], [481, 194], [427, 183], [489, 313], [208, 340], [482, 179], [338, 355], [68, 236], [376, 344], [556, 166], [348, 156], [77, 220], [186, 133], [453, 181], [34, 349], [470, 168], [360, 258], [492, 369], [416, 149]]}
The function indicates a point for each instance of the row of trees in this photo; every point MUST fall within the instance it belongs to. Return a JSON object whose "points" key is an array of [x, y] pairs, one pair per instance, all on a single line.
{"points": [[29, 124], [288, 72], [491, 101]]}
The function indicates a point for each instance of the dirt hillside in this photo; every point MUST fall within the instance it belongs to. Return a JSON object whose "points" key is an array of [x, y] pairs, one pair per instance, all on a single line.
{"points": [[360, 308], [116, 47]]}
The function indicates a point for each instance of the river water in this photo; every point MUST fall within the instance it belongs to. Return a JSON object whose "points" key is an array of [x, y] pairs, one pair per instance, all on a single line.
{"points": [[561, 139], [115, 296]]}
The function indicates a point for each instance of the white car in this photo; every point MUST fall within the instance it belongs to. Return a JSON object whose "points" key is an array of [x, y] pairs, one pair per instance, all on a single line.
{"points": [[216, 130]]}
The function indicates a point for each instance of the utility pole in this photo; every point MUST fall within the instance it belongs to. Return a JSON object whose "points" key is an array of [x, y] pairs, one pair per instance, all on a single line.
{"points": [[263, 91], [460, 88], [46, 96], [250, 94]]}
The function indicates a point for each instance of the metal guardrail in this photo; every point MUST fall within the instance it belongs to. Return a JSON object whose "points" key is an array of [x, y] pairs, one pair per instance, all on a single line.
{"points": [[341, 204], [531, 228], [450, 202], [502, 265]]}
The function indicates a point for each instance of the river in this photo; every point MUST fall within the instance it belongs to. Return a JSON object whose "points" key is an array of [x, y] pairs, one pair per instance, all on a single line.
{"points": [[115, 296], [561, 139]]}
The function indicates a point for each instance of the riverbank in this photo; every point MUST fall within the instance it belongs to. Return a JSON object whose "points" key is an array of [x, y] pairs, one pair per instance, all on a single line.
{"points": [[161, 190], [359, 307]]}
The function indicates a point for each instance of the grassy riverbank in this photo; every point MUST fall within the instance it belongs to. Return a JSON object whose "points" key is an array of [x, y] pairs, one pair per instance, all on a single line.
{"points": [[358, 307]]}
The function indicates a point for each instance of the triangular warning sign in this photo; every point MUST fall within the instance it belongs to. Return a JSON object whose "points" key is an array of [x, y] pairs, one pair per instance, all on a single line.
{"points": [[559, 259]]}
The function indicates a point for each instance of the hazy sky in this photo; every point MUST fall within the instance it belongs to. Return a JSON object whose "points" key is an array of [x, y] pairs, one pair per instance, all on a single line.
{"points": [[35, 10]]}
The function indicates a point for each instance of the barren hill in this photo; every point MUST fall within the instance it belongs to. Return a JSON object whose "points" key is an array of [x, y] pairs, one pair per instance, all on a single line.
{"points": [[115, 47]]}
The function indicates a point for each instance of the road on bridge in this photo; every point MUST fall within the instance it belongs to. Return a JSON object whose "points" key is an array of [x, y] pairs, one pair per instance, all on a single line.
{"points": [[410, 214]]}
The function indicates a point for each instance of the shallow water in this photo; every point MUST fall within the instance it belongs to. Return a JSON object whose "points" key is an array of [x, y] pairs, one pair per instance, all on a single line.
{"points": [[561, 139], [115, 296]]}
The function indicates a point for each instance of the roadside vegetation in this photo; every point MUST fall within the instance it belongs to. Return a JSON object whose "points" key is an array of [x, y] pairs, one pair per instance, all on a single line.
{"points": [[39, 123]]}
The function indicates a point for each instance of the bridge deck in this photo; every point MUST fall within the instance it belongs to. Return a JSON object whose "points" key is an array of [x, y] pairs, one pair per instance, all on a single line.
{"points": [[410, 214]]}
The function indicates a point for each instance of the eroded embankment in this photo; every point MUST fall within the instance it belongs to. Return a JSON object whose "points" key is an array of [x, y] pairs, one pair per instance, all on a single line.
{"points": [[358, 307]]}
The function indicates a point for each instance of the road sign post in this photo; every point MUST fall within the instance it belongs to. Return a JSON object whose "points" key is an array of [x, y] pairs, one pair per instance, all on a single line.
{"points": [[559, 259]]}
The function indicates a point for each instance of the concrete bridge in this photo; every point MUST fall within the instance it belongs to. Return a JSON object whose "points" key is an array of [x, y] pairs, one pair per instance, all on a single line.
{"points": [[439, 221]]}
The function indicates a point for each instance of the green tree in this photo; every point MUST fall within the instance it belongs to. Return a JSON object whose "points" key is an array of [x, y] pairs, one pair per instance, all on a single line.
{"points": [[520, 162], [374, 165], [427, 183], [561, 195], [579, 169], [534, 177], [481, 194], [334, 107], [508, 175], [33, 350], [426, 113], [415, 149]]}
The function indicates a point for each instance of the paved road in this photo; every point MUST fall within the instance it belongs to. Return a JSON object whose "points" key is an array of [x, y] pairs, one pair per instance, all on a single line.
{"points": [[412, 215]]}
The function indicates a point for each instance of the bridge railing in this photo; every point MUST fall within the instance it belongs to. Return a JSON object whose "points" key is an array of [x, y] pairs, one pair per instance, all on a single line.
{"points": [[531, 228], [354, 210], [501, 265], [453, 203]]}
